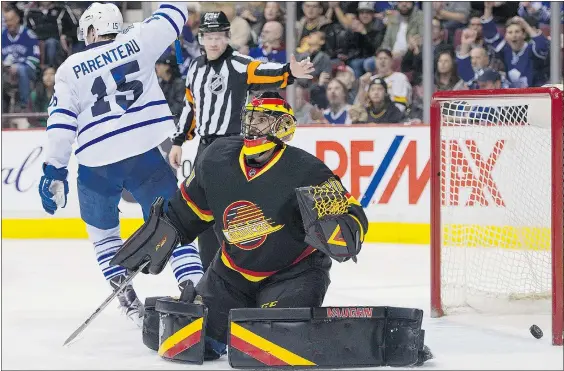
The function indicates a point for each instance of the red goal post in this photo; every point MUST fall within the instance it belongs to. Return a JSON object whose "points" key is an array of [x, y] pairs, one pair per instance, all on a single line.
{"points": [[497, 202]]}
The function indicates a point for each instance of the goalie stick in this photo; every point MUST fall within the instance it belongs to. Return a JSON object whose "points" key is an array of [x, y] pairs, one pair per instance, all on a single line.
{"points": [[104, 304]]}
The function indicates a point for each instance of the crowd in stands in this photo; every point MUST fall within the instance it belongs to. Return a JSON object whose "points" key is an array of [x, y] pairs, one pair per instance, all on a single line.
{"points": [[367, 55]]}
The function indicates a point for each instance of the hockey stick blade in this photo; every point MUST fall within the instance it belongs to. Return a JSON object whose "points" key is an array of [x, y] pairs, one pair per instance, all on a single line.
{"points": [[105, 304]]}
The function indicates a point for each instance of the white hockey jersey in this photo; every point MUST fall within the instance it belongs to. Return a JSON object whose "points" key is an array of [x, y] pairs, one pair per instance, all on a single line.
{"points": [[108, 98]]}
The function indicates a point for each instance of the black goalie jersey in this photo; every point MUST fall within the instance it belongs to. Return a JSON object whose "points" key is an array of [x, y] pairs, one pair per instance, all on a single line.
{"points": [[254, 210]]}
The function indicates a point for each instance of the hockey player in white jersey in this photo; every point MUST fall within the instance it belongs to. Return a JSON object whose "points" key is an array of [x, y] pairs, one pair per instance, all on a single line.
{"points": [[108, 99]]}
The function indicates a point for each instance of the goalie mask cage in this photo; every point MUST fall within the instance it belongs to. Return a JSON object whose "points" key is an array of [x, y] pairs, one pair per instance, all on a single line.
{"points": [[497, 204]]}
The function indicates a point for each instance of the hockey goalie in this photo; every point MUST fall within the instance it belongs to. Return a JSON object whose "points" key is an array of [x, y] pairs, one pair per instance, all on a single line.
{"points": [[282, 216]]}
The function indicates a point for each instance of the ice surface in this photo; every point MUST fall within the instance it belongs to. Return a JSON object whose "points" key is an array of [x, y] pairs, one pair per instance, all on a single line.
{"points": [[49, 287]]}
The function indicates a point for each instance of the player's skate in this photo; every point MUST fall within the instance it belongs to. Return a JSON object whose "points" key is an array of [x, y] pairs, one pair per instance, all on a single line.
{"points": [[128, 301]]}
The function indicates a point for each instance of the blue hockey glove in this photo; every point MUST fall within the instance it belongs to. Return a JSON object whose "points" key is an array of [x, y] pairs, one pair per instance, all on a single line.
{"points": [[53, 188]]}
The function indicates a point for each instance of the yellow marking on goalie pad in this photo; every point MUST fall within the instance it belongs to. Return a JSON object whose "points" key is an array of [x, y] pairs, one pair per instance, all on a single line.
{"points": [[181, 335], [337, 237], [269, 347], [513, 238]]}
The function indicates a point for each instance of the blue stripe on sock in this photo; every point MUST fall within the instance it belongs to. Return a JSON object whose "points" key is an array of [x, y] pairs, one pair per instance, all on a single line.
{"points": [[188, 270], [111, 250], [119, 273], [181, 251], [106, 260], [107, 255], [108, 273], [106, 240], [197, 265], [184, 250]]}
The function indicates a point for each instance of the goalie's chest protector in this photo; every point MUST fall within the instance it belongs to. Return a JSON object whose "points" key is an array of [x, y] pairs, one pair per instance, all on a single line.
{"points": [[255, 209]]}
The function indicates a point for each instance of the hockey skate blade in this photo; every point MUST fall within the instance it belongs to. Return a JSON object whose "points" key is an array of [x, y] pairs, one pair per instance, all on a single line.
{"points": [[104, 304]]}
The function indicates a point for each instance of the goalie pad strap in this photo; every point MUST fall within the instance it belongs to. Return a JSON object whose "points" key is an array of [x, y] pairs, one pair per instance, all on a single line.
{"points": [[343, 337]]}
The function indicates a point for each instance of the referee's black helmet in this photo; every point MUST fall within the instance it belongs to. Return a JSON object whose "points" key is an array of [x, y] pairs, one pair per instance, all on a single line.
{"points": [[214, 22]]}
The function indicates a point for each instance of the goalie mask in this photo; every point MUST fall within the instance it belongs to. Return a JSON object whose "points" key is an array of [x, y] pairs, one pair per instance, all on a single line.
{"points": [[268, 120]]}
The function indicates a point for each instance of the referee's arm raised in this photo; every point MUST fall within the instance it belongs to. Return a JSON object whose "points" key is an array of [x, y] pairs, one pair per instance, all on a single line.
{"points": [[264, 76]]}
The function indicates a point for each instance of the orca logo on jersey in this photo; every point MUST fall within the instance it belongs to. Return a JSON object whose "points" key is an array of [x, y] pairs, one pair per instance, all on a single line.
{"points": [[246, 226], [217, 84]]}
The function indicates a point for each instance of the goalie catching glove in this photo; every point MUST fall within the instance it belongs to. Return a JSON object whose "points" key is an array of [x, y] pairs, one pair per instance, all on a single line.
{"points": [[329, 220]]}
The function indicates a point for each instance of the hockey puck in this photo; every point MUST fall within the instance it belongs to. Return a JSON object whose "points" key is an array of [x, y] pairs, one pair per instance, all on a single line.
{"points": [[536, 331]]}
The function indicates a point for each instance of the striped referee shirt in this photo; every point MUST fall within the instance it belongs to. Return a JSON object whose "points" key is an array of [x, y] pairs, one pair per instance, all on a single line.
{"points": [[217, 90]]}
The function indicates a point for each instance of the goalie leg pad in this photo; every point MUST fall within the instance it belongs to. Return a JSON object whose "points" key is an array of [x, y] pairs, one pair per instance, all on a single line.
{"points": [[342, 337], [182, 330], [154, 241]]}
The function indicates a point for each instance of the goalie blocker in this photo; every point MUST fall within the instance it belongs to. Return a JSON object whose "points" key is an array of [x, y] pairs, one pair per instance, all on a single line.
{"points": [[314, 337]]}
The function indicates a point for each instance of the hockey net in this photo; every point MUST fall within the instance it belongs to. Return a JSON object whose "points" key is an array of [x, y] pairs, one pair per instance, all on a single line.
{"points": [[497, 164]]}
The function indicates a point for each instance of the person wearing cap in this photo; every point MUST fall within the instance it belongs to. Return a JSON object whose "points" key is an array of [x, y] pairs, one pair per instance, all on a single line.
{"points": [[379, 107], [399, 87], [217, 86], [489, 79], [369, 31], [484, 113], [171, 84]]}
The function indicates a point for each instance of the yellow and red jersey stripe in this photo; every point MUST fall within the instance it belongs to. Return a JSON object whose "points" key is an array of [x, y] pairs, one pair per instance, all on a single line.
{"points": [[205, 215], [255, 276]]}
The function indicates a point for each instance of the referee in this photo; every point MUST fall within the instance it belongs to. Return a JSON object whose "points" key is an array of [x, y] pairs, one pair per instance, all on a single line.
{"points": [[217, 85]]}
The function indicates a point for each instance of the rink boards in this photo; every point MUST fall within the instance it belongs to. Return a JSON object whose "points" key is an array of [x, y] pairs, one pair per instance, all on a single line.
{"points": [[386, 167]]}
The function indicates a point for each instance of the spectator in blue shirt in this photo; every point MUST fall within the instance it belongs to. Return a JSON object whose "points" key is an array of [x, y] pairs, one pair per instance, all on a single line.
{"points": [[338, 110], [535, 9], [519, 56], [20, 54], [271, 47]]}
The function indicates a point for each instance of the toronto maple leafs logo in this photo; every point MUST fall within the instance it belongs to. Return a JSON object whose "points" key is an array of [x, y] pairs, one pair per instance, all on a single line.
{"points": [[217, 84]]}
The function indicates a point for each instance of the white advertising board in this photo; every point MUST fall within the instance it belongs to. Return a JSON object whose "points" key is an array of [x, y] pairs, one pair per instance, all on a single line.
{"points": [[387, 168], [359, 155]]}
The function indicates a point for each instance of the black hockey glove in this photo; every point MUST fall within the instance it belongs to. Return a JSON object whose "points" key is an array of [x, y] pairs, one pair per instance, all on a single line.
{"points": [[328, 226], [154, 241]]}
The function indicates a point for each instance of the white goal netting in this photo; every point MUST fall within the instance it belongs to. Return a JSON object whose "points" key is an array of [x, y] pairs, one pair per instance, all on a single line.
{"points": [[496, 204]]}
